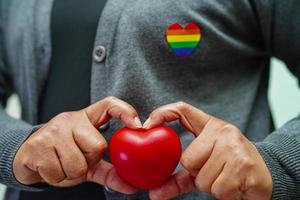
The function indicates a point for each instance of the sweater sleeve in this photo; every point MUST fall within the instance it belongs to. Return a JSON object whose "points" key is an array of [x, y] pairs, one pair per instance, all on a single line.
{"points": [[13, 132], [280, 28]]}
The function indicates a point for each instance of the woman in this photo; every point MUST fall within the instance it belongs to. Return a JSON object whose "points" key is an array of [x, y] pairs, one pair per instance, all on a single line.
{"points": [[58, 57]]}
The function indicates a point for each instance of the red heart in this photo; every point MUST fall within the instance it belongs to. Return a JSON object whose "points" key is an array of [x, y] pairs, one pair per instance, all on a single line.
{"points": [[145, 158]]}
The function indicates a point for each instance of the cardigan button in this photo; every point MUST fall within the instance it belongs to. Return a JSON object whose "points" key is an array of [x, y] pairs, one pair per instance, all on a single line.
{"points": [[99, 53]]}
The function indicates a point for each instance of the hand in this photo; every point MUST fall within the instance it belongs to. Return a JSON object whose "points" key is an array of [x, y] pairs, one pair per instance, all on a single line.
{"points": [[68, 149], [220, 161]]}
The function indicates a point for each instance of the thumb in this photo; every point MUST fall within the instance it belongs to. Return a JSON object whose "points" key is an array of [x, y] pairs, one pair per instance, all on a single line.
{"points": [[111, 107], [104, 174], [179, 184]]}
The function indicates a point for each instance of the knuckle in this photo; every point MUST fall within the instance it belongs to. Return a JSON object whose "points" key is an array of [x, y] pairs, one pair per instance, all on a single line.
{"points": [[232, 148], [52, 128], [229, 129], [78, 172], [183, 106], [201, 185], [22, 162], [36, 142], [110, 99], [186, 163], [50, 173], [31, 144], [47, 138], [220, 193], [56, 178], [64, 116], [75, 167], [224, 193], [232, 137], [245, 162], [217, 192], [252, 183]]}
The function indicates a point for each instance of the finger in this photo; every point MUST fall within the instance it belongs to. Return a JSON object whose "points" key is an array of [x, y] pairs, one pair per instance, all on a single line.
{"points": [[72, 159], [71, 182], [91, 143], [190, 117], [50, 169], [24, 169], [101, 111], [210, 171], [27, 176], [105, 174], [179, 184], [227, 185], [200, 149]]}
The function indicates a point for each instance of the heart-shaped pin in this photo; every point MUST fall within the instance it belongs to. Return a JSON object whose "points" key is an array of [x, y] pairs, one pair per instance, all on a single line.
{"points": [[183, 40], [145, 158]]}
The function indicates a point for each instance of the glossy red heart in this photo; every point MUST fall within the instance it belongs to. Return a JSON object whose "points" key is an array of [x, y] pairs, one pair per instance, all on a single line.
{"points": [[145, 158]]}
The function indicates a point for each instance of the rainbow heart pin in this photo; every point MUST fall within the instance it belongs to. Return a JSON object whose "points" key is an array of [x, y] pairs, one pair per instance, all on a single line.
{"points": [[183, 40]]}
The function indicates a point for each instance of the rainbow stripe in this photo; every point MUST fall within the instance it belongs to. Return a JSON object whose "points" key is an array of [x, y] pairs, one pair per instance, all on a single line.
{"points": [[183, 40]]}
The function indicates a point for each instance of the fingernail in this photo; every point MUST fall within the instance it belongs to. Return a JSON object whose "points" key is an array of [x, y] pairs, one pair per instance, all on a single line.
{"points": [[137, 122], [147, 123]]}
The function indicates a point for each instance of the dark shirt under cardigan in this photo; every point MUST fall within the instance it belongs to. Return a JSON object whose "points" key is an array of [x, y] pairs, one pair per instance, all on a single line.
{"points": [[73, 29]]}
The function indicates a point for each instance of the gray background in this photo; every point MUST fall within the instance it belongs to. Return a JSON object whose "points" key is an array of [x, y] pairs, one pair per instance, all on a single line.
{"points": [[284, 98]]}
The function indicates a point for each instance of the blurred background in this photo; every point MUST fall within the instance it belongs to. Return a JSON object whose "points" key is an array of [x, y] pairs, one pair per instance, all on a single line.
{"points": [[284, 98]]}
